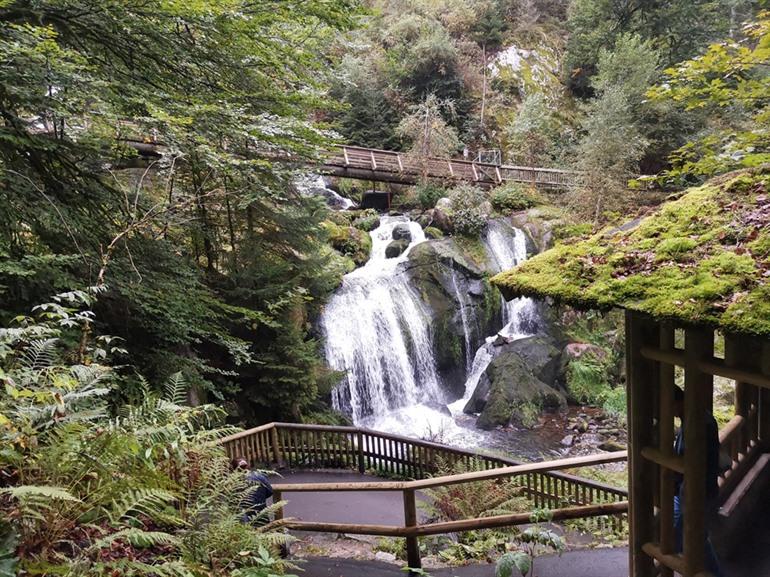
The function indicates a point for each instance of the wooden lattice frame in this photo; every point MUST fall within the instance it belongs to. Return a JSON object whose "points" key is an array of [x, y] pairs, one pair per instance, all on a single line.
{"points": [[652, 357]]}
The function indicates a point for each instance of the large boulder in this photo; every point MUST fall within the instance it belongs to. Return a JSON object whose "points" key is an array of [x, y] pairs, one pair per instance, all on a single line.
{"points": [[396, 248], [452, 286], [522, 380], [442, 221], [402, 232]]}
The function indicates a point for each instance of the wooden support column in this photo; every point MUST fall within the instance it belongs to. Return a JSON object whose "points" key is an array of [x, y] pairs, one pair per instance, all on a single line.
{"points": [[736, 353], [666, 447], [699, 388], [410, 520], [642, 375]]}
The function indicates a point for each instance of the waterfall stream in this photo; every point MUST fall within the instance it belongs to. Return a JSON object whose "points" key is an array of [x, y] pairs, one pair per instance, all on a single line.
{"points": [[506, 247], [377, 331]]}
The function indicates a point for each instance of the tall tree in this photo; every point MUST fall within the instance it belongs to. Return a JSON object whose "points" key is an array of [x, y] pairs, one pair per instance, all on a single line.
{"points": [[206, 253]]}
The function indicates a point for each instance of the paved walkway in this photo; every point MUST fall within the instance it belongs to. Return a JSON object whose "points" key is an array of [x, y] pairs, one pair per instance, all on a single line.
{"points": [[586, 563], [751, 558], [386, 508]]}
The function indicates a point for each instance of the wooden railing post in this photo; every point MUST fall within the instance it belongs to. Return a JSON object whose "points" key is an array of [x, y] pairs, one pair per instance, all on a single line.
{"points": [[276, 498], [277, 457], [360, 443], [410, 520]]}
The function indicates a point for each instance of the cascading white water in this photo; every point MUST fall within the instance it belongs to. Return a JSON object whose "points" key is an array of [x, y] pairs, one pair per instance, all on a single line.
{"points": [[377, 331], [314, 185], [506, 247]]}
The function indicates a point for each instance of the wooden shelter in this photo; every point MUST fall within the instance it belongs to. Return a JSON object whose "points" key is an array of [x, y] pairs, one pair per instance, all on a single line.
{"points": [[693, 273]]}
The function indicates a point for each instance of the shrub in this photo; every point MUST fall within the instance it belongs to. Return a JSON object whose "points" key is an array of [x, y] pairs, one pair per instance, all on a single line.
{"points": [[588, 379], [428, 194], [468, 216], [512, 197]]}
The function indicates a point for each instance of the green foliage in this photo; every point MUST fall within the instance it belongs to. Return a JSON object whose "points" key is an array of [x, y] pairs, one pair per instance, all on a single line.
{"points": [[428, 194], [468, 217], [731, 84], [534, 133], [679, 27], [204, 260], [512, 197], [587, 379], [140, 492], [427, 131]]}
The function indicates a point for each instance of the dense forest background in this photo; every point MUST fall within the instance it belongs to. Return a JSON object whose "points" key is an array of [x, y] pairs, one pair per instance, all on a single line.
{"points": [[207, 261]]}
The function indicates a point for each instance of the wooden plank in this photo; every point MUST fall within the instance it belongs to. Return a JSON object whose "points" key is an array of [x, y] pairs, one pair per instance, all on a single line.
{"points": [[711, 365], [640, 332], [345, 154], [667, 378], [699, 344]]}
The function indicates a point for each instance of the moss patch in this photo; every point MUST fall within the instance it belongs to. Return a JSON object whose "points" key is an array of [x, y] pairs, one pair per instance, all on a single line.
{"points": [[704, 258]]}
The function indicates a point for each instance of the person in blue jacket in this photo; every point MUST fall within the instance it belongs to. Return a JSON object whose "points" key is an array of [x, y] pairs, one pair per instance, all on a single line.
{"points": [[711, 430], [260, 490]]}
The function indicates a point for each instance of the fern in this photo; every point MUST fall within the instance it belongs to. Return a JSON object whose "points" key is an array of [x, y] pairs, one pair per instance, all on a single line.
{"points": [[30, 493], [149, 502], [176, 389], [137, 538]]}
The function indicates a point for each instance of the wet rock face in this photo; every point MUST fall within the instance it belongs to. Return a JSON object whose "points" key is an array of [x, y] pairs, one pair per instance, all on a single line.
{"points": [[451, 286], [401, 232], [524, 378], [396, 248]]}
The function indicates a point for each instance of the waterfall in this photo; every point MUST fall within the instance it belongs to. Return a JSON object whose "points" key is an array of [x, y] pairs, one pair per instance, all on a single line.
{"points": [[315, 185], [506, 247], [377, 331]]}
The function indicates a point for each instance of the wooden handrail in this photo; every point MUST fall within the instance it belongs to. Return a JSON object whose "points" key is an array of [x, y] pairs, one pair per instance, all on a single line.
{"points": [[446, 480], [426, 529]]}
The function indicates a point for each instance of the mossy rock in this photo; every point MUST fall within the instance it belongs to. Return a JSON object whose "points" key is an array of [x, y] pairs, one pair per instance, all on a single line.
{"points": [[367, 220], [515, 394], [349, 241], [396, 248], [432, 233]]}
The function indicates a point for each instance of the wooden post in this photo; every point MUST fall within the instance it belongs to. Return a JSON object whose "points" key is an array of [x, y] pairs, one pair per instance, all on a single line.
{"points": [[736, 354], [276, 498], [277, 457], [666, 447], [642, 374], [764, 399], [699, 387], [360, 443], [410, 520]]}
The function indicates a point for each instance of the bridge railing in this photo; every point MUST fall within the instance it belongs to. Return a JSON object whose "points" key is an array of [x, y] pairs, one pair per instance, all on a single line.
{"points": [[407, 167], [301, 446]]}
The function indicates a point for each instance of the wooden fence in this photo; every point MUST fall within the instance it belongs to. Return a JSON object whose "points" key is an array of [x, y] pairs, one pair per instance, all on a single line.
{"points": [[327, 447]]}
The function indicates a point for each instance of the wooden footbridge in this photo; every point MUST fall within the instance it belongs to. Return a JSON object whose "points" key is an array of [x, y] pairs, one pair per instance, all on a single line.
{"points": [[397, 167], [280, 445]]}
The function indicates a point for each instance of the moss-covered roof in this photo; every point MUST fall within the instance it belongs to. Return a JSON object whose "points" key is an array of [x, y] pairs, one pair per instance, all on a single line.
{"points": [[703, 258]]}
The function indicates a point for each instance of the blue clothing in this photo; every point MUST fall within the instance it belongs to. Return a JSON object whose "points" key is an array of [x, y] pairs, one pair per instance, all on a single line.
{"points": [[711, 430], [257, 495]]}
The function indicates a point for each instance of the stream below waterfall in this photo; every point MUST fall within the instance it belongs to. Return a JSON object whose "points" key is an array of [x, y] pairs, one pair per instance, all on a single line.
{"points": [[376, 329]]}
